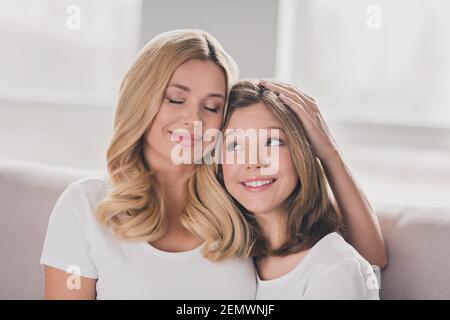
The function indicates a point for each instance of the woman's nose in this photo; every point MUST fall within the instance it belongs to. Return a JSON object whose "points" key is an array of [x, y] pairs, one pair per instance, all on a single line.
{"points": [[191, 113]]}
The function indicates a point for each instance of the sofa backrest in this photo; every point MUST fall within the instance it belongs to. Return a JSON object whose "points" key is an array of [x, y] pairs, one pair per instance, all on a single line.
{"points": [[418, 244], [417, 239], [28, 193]]}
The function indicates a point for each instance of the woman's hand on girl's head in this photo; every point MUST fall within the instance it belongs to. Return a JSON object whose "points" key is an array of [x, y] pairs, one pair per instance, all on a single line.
{"points": [[323, 144]]}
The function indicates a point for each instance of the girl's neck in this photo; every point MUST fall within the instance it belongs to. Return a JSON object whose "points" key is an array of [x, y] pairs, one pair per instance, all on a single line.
{"points": [[274, 226]]}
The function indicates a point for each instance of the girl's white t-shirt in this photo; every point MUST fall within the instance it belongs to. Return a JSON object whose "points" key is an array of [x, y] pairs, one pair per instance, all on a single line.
{"points": [[76, 243], [331, 270]]}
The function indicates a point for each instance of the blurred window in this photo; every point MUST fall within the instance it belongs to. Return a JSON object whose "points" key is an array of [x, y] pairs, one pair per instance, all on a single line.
{"points": [[66, 52]]}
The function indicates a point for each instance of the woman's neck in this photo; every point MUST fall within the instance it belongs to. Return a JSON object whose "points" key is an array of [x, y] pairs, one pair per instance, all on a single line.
{"points": [[173, 191], [171, 180]]}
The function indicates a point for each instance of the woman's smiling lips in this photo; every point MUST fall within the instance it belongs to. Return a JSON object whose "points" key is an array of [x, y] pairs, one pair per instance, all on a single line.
{"points": [[185, 139], [258, 184]]}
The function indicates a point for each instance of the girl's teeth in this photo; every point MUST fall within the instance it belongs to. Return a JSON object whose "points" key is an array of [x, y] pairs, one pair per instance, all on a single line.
{"points": [[257, 183]]}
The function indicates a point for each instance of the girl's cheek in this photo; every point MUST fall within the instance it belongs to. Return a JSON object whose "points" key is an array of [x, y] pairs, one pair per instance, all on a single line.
{"points": [[285, 162], [231, 174], [227, 171]]}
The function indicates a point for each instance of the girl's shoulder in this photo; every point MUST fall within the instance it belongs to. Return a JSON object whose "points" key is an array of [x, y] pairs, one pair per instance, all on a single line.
{"points": [[331, 251], [338, 271]]}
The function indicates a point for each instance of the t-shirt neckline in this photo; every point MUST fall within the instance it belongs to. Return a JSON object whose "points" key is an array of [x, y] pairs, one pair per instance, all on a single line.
{"points": [[298, 266], [166, 254]]}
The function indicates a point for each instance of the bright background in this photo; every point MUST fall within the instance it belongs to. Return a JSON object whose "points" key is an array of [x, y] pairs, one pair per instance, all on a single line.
{"points": [[380, 71]]}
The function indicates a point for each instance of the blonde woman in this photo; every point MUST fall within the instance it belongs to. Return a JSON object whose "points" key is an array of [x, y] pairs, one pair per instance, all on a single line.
{"points": [[139, 231], [297, 244]]}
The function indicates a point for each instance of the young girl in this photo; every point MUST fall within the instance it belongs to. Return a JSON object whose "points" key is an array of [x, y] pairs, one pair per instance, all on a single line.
{"points": [[298, 246]]}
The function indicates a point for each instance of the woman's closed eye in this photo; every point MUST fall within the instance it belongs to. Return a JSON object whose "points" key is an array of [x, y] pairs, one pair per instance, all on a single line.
{"points": [[175, 101], [213, 109]]}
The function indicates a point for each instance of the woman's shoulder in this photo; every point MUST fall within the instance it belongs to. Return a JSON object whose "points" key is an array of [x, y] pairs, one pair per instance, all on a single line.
{"points": [[73, 232], [93, 185], [81, 197]]}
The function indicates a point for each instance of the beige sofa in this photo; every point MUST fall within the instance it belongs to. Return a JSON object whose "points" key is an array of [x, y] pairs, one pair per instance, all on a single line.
{"points": [[418, 239]]}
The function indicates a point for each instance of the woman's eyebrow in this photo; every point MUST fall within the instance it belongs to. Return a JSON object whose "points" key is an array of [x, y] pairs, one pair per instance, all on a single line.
{"points": [[184, 88], [179, 86], [216, 95]]}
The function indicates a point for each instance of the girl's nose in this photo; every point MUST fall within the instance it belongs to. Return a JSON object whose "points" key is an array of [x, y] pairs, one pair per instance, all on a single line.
{"points": [[258, 165]]}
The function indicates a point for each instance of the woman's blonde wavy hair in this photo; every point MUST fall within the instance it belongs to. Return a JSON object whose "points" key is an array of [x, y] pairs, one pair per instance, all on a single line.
{"points": [[310, 211], [133, 206]]}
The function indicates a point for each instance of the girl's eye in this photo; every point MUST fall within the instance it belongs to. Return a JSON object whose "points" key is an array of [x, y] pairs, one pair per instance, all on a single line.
{"points": [[174, 101], [213, 109], [233, 146], [274, 142]]}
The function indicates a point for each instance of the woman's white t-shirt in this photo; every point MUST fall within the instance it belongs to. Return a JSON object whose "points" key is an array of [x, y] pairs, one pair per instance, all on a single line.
{"points": [[331, 270], [76, 243]]}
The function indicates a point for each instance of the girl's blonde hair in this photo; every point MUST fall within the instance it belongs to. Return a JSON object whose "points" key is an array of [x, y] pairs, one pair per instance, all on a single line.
{"points": [[133, 206], [310, 212]]}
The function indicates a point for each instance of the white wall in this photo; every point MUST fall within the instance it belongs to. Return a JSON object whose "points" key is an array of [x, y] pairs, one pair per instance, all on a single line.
{"points": [[247, 29], [77, 136]]}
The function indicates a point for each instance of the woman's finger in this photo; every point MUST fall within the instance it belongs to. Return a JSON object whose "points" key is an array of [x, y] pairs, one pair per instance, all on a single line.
{"points": [[290, 91], [297, 108], [302, 94], [278, 89]]}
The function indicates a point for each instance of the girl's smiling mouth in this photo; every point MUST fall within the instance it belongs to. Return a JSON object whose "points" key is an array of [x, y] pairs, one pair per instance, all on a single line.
{"points": [[258, 184]]}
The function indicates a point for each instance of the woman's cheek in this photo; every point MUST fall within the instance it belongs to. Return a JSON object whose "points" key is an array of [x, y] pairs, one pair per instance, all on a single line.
{"points": [[212, 123]]}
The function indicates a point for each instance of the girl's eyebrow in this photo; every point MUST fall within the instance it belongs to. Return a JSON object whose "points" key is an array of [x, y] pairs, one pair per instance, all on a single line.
{"points": [[232, 130], [184, 88], [275, 127]]}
